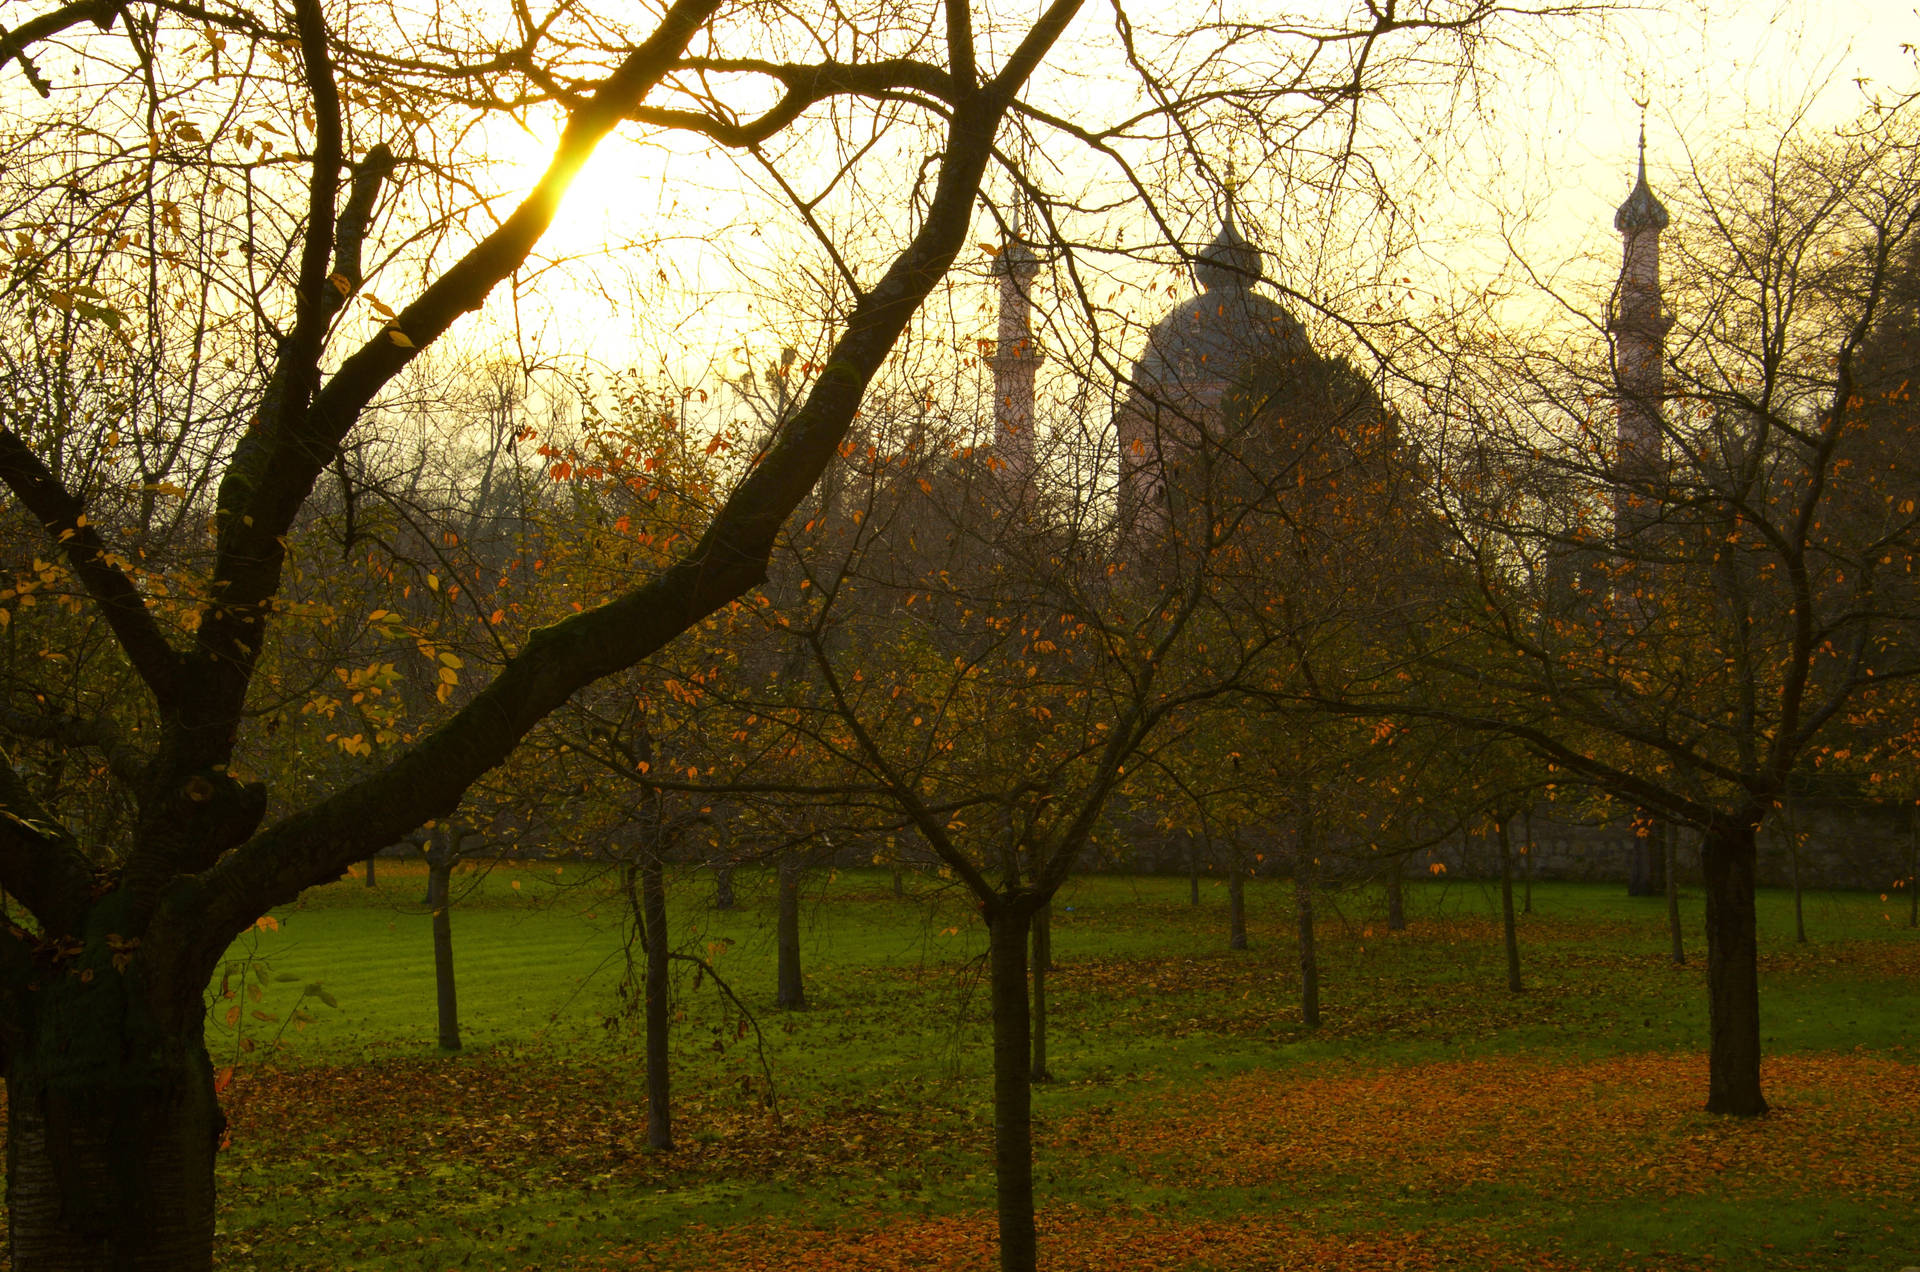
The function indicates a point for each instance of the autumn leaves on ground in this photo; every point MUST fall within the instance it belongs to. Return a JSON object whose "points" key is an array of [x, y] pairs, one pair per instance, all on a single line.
{"points": [[1434, 1121]]}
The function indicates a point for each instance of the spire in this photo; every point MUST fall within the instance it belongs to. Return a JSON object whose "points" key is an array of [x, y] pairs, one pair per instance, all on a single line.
{"points": [[1639, 324], [1641, 211]]}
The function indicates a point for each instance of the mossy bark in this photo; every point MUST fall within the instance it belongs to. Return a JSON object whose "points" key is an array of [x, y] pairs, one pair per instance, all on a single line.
{"points": [[112, 1126]]}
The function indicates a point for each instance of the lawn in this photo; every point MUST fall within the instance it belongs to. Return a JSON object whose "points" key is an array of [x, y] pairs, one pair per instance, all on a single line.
{"points": [[1434, 1121]]}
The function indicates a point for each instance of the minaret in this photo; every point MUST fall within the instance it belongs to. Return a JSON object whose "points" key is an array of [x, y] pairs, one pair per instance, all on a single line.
{"points": [[1639, 326], [1014, 361]]}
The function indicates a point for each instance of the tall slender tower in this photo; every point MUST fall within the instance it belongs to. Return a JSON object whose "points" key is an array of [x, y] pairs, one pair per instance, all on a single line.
{"points": [[1639, 326], [1014, 361]]}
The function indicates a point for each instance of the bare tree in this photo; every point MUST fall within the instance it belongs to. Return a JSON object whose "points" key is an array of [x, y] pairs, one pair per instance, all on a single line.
{"points": [[1670, 575]]}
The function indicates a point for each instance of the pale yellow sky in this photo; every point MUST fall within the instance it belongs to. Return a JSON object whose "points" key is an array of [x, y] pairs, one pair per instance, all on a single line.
{"points": [[1537, 166]]}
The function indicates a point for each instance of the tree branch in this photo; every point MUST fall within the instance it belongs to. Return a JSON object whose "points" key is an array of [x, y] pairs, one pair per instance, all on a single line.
{"points": [[40, 862], [64, 517], [730, 557], [272, 475]]}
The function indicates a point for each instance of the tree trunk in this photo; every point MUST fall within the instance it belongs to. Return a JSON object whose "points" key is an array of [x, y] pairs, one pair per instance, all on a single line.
{"points": [[792, 991], [1510, 926], [1733, 979], [1193, 871], [1673, 897], [1526, 903], [723, 898], [1303, 916], [653, 923], [112, 1126], [1236, 908], [1396, 898], [1913, 866], [1646, 865], [1042, 964], [899, 880], [1792, 835], [440, 897], [1012, 1093], [370, 879]]}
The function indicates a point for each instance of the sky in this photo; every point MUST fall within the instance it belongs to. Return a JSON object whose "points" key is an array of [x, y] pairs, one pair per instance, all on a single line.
{"points": [[1532, 171]]}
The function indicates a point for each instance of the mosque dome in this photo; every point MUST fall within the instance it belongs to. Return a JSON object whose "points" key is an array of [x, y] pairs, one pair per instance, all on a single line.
{"points": [[1210, 339]]}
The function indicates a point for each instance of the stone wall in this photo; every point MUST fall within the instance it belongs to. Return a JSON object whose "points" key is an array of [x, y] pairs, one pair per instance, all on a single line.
{"points": [[1841, 846]]}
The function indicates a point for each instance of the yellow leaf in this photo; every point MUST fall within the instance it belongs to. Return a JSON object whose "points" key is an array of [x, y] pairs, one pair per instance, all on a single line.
{"points": [[399, 337]]}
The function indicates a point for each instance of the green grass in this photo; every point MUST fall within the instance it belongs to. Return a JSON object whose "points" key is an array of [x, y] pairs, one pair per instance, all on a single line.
{"points": [[358, 1143]]}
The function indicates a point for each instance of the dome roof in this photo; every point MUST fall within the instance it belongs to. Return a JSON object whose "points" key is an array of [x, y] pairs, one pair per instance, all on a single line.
{"points": [[1641, 211], [1230, 262], [1212, 337]]}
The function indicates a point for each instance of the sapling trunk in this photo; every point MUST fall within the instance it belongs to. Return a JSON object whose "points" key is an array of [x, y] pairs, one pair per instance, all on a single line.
{"points": [[1303, 875], [1799, 894], [723, 898], [440, 897], [1042, 964], [1527, 851], [370, 879], [1396, 896], [1673, 898], [1509, 925], [1913, 866], [791, 991], [1236, 909], [653, 924], [1012, 1090]]}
